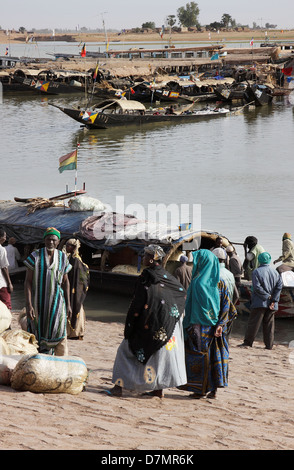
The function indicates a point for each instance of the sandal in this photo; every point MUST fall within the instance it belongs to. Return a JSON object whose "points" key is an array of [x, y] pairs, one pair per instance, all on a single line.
{"points": [[112, 392], [154, 393], [196, 396]]}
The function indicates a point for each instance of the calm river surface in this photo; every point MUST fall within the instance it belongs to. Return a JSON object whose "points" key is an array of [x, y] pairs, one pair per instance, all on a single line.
{"points": [[239, 168]]}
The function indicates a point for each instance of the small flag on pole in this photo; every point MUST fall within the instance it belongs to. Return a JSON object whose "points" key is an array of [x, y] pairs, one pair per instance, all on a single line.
{"points": [[83, 51], [96, 72], [6, 52], [68, 161], [251, 42]]}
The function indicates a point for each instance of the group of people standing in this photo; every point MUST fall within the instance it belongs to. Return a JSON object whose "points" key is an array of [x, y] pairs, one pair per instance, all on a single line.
{"points": [[177, 327], [176, 331]]}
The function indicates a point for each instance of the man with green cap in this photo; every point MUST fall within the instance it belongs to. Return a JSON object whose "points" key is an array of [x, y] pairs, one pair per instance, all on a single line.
{"points": [[266, 289], [47, 295]]}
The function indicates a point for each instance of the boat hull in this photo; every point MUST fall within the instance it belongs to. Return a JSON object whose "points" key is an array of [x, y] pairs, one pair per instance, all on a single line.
{"points": [[286, 303], [98, 120], [49, 87]]}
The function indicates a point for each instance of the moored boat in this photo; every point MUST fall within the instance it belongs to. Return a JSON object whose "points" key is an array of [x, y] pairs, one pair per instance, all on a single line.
{"points": [[54, 82], [112, 245], [261, 94], [113, 113]]}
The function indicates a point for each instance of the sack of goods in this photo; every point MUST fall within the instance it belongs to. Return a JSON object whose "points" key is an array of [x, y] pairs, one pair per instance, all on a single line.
{"points": [[20, 342], [5, 317], [7, 365], [42, 373]]}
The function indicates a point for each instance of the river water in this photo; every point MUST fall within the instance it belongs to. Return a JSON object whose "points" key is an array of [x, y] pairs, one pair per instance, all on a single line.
{"points": [[239, 168]]}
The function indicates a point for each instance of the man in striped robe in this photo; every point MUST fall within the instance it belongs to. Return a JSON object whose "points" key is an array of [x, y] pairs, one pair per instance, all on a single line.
{"points": [[47, 295]]}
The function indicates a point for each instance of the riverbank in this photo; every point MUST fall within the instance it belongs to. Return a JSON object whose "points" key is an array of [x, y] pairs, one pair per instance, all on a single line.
{"points": [[254, 413], [213, 37]]}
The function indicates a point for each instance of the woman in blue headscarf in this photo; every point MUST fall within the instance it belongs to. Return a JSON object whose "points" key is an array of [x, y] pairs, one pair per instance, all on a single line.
{"points": [[208, 316]]}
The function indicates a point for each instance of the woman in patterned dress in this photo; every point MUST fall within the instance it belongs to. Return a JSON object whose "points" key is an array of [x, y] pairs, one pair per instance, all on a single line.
{"points": [[151, 356], [208, 317]]}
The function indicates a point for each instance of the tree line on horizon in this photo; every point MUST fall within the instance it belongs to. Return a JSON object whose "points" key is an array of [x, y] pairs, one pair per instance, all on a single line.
{"points": [[187, 16]]}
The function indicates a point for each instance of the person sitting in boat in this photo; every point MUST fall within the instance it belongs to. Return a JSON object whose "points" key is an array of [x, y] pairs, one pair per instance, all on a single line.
{"points": [[252, 250], [170, 110], [287, 256]]}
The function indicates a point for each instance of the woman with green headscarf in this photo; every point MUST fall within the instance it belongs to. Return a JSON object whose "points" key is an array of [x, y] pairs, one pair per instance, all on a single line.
{"points": [[208, 316]]}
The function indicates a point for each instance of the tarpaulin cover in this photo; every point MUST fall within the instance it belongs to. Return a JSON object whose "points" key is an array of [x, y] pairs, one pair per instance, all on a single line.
{"points": [[29, 228], [91, 229]]}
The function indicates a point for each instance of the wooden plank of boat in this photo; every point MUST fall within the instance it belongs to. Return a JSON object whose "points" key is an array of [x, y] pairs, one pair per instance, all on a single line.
{"points": [[59, 197]]}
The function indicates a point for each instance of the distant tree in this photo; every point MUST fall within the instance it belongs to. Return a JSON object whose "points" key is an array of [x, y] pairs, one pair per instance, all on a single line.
{"points": [[22, 30], [149, 25], [171, 20], [226, 20], [214, 26], [188, 15], [270, 26]]}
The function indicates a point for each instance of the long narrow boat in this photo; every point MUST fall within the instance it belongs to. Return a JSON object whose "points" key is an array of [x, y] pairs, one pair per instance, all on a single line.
{"points": [[55, 83], [115, 258], [113, 113]]}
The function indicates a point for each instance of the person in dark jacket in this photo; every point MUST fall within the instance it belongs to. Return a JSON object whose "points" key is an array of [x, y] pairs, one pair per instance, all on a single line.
{"points": [[266, 289]]}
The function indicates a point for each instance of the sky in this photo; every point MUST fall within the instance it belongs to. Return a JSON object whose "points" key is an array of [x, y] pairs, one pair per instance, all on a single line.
{"points": [[120, 14]]}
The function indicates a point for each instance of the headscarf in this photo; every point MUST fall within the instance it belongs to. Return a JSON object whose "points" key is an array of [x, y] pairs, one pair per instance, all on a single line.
{"points": [[51, 231], [229, 249], [76, 243], [156, 251], [264, 258], [220, 253], [203, 299], [287, 236], [183, 259]]}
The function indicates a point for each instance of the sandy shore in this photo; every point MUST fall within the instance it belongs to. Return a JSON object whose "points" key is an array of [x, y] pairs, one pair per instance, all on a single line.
{"points": [[255, 412], [258, 35]]}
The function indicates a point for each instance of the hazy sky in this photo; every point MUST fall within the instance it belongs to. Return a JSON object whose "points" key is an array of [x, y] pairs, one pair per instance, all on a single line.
{"points": [[119, 14]]}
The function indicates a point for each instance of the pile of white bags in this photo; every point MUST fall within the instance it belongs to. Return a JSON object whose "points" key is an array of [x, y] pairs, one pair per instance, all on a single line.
{"points": [[85, 203]]}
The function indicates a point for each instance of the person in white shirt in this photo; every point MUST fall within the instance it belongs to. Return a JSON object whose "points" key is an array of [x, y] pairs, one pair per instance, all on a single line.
{"points": [[13, 254], [6, 287]]}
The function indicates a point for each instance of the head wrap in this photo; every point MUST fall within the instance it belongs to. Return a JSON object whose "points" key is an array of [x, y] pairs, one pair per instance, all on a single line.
{"points": [[51, 231], [156, 251], [183, 259], [76, 243], [287, 235], [203, 299], [229, 249], [264, 258], [219, 253]]}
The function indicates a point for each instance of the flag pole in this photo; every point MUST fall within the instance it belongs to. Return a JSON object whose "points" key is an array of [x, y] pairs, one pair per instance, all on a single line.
{"points": [[76, 174]]}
